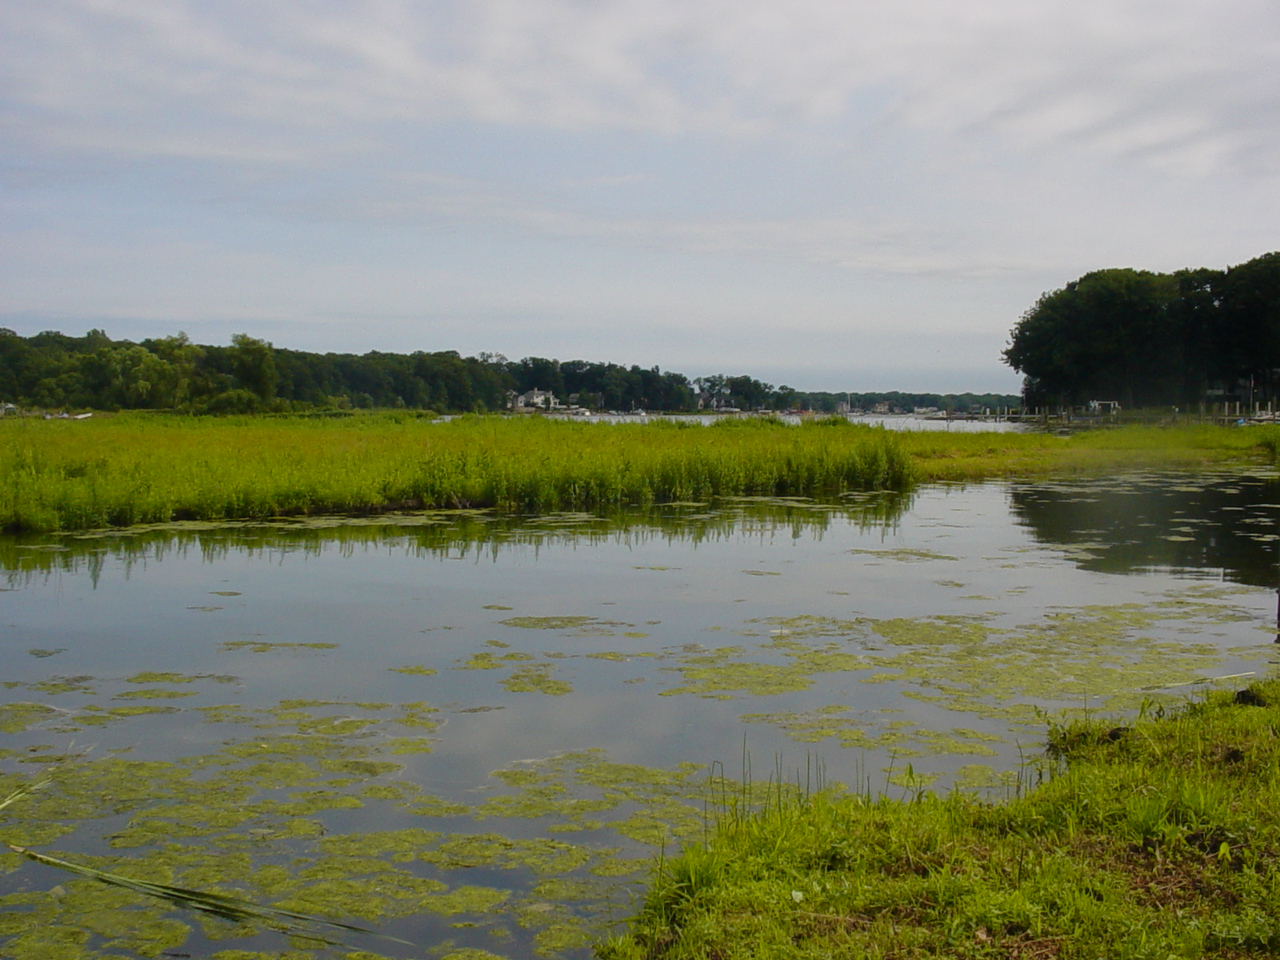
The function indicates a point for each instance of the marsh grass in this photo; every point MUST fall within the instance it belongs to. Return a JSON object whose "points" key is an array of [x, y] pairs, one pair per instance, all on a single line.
{"points": [[1157, 839], [131, 469], [939, 455], [135, 469]]}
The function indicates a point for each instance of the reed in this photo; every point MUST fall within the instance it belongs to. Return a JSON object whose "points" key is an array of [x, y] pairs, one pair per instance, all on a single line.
{"points": [[133, 469]]}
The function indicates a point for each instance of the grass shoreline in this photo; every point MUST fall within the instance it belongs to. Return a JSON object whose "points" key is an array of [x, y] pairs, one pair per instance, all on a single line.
{"points": [[1155, 839], [1151, 840], [132, 469]]}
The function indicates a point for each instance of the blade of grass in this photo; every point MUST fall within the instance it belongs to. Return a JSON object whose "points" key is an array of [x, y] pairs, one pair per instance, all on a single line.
{"points": [[225, 906]]}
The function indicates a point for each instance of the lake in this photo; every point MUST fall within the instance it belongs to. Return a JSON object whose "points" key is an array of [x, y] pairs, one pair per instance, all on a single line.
{"points": [[476, 733]]}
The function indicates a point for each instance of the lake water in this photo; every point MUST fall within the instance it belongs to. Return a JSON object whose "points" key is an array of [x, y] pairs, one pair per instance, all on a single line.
{"points": [[475, 733]]}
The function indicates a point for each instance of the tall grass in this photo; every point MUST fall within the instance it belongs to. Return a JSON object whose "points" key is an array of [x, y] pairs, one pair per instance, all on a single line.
{"points": [[131, 469], [119, 471]]}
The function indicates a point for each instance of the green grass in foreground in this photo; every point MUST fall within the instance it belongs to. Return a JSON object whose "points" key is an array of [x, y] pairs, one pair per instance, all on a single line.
{"points": [[118, 471], [1155, 840]]}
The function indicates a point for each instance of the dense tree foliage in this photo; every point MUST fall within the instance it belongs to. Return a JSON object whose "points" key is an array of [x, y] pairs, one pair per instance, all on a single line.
{"points": [[54, 371], [1151, 339]]}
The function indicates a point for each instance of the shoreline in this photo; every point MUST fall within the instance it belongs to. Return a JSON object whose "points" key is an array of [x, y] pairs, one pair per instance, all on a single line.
{"points": [[1152, 838], [128, 470]]}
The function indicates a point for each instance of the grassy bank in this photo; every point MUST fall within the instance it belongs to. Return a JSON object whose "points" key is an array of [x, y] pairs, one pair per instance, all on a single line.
{"points": [[69, 475], [1154, 840], [938, 455]]}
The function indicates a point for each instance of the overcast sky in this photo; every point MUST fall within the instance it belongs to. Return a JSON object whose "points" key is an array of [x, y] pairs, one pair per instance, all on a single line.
{"points": [[832, 194]]}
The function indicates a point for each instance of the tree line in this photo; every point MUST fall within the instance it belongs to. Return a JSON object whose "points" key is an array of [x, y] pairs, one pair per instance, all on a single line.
{"points": [[55, 371], [1148, 339]]}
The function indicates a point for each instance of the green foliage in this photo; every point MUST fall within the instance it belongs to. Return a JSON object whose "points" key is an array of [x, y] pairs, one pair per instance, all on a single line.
{"points": [[54, 371], [1147, 339], [135, 469], [1152, 840]]}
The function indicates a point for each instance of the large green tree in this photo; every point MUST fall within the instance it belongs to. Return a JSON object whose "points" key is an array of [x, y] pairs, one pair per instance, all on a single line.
{"points": [[1108, 336], [1247, 335]]}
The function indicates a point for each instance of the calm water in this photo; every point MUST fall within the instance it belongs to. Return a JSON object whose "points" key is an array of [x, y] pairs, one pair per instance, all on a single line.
{"points": [[543, 699]]}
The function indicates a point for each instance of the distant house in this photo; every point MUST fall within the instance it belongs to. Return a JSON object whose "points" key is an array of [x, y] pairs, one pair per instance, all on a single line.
{"points": [[535, 400], [7, 409], [716, 402]]}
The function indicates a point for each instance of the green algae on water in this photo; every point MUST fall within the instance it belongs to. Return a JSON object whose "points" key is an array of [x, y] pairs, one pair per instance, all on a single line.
{"points": [[260, 646], [484, 660], [20, 716], [536, 678], [217, 820]]}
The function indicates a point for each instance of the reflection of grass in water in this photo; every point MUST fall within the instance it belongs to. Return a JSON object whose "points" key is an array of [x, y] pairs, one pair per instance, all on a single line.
{"points": [[450, 534]]}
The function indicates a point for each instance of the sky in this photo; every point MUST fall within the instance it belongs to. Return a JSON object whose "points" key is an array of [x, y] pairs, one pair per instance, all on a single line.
{"points": [[829, 194]]}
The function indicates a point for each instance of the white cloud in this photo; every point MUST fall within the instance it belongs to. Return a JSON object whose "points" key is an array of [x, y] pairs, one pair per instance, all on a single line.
{"points": [[1122, 76], [599, 171]]}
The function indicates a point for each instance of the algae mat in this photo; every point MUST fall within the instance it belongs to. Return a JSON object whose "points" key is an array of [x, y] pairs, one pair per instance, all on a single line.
{"points": [[471, 734]]}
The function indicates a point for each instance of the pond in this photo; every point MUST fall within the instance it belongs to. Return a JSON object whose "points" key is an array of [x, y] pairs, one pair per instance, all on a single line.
{"points": [[474, 734]]}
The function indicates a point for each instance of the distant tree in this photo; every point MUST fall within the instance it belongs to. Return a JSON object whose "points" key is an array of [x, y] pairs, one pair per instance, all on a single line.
{"points": [[1248, 332], [254, 366], [1196, 317], [784, 398], [539, 373]]}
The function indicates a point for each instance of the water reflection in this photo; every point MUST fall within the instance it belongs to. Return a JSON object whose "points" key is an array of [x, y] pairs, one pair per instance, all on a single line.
{"points": [[504, 717], [1220, 527], [462, 534]]}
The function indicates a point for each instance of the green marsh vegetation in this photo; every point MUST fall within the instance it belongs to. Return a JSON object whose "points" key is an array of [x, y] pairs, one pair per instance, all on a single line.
{"points": [[1151, 840], [518, 871], [943, 456], [137, 469]]}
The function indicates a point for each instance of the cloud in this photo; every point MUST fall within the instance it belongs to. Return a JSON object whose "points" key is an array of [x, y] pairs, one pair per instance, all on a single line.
{"points": [[1179, 82], [540, 174]]}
